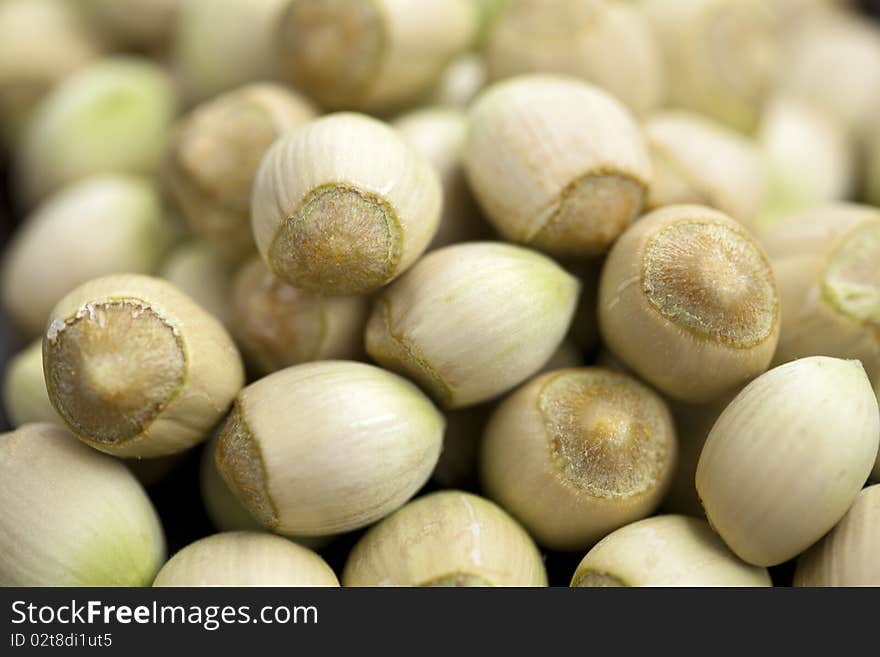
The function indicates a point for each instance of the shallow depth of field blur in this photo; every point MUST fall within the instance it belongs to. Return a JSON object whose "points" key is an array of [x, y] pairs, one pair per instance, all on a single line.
{"points": [[815, 72]]}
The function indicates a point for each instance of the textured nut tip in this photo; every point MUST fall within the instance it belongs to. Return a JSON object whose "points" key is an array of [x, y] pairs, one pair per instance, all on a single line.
{"points": [[712, 279], [341, 240], [591, 213], [605, 434], [689, 301], [240, 463], [578, 453], [112, 368]]}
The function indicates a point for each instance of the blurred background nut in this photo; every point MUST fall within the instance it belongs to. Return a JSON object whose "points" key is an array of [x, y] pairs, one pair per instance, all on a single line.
{"points": [[138, 24], [606, 42], [278, 325], [439, 134], [196, 269], [721, 56], [41, 43], [371, 55], [24, 388], [214, 156], [107, 224], [114, 115], [697, 160], [219, 45]]}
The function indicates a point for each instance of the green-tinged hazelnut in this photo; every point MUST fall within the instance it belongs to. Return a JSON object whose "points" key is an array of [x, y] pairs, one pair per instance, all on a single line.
{"points": [[245, 559], [227, 514], [788, 457], [461, 81], [328, 447], [111, 116], [666, 551], [144, 24], [471, 321], [219, 45], [24, 388], [196, 269], [446, 539], [688, 301], [811, 160], [847, 556], [214, 157], [576, 453], [278, 325], [825, 261], [344, 205], [697, 160], [371, 55], [832, 61], [609, 43], [41, 42], [721, 56], [102, 225], [556, 164], [70, 516], [135, 368], [439, 134]]}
